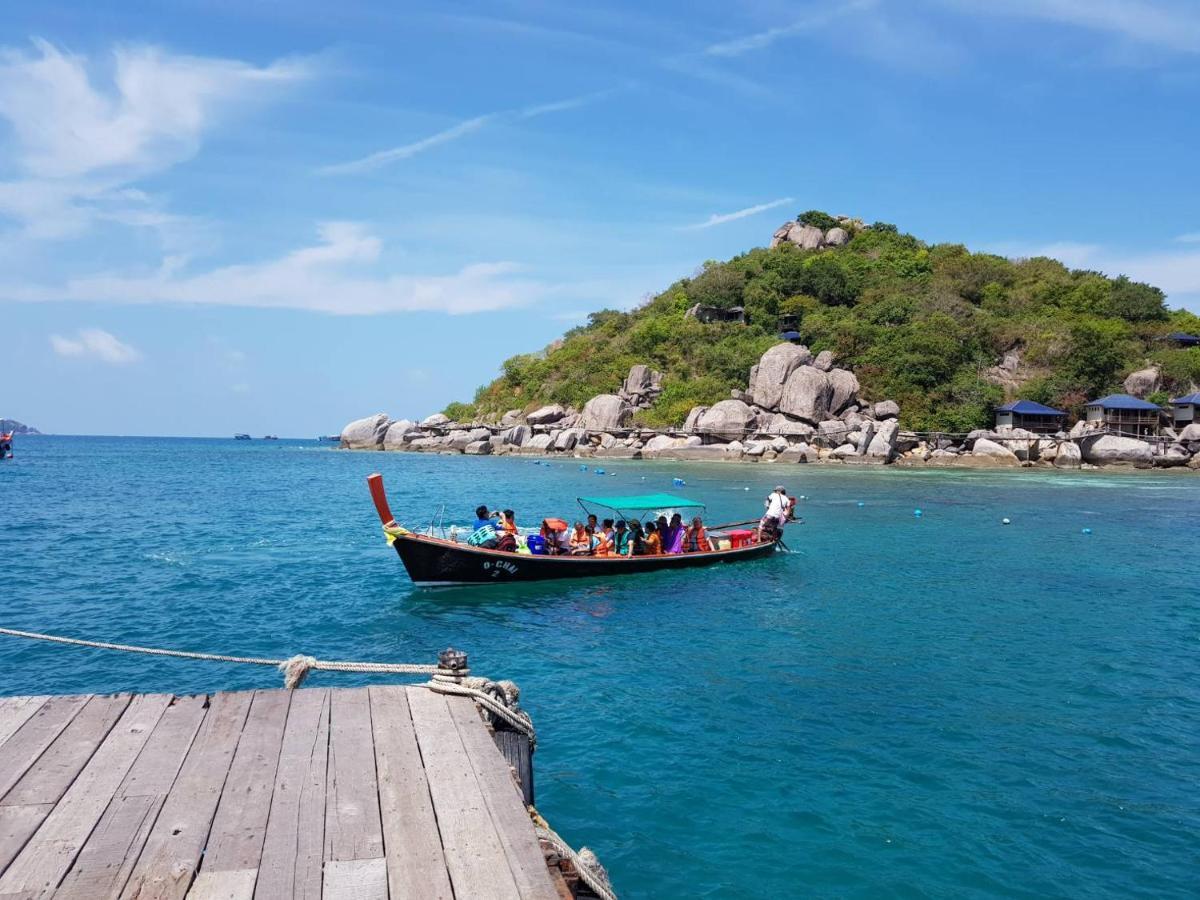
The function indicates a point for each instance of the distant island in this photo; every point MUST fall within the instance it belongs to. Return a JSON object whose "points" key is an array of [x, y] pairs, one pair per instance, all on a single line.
{"points": [[946, 333], [12, 425], [850, 343]]}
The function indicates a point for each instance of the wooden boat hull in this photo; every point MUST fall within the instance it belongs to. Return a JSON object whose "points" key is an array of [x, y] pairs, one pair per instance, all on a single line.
{"points": [[432, 562]]}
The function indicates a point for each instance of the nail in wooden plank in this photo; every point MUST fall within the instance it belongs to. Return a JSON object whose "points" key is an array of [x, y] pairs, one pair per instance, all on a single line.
{"points": [[112, 849], [474, 855], [49, 854], [352, 826], [171, 855], [294, 844], [416, 864]]}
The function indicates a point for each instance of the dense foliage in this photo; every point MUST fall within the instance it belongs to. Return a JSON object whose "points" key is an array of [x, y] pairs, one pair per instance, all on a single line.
{"points": [[918, 324]]}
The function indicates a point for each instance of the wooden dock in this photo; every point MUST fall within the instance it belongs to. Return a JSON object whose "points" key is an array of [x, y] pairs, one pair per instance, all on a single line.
{"points": [[338, 793]]}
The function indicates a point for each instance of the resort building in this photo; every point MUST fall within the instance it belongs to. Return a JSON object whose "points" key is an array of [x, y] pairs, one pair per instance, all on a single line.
{"points": [[1121, 412], [1030, 416], [1187, 409]]}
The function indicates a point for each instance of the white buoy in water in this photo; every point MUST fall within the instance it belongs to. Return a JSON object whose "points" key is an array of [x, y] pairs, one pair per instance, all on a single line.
{"points": [[1006, 521], [860, 503], [1087, 531], [917, 513]]}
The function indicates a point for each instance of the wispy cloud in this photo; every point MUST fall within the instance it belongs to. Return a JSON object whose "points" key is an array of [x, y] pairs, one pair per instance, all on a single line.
{"points": [[1170, 25], [816, 18], [722, 218], [80, 141], [1192, 237], [381, 158], [95, 343], [325, 277]]}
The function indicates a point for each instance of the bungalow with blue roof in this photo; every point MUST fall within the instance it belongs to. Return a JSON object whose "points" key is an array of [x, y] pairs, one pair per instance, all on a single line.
{"points": [[1187, 409], [1124, 413], [1030, 416], [1183, 339]]}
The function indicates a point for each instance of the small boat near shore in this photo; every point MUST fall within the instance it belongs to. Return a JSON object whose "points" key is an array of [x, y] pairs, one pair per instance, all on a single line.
{"points": [[6, 451], [438, 562]]}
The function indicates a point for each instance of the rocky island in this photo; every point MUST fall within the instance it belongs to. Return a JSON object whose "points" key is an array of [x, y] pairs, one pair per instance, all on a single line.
{"points": [[15, 427], [841, 343]]}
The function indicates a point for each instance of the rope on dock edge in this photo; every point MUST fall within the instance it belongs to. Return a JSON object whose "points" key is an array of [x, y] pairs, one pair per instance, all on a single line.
{"points": [[449, 676], [585, 862]]}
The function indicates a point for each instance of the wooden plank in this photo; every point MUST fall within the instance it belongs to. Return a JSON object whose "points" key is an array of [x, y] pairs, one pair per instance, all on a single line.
{"points": [[295, 841], [15, 712], [171, 855], [504, 802], [358, 879], [49, 854], [45, 782], [231, 884], [108, 856], [30, 741], [474, 854], [416, 864], [236, 839], [352, 826]]}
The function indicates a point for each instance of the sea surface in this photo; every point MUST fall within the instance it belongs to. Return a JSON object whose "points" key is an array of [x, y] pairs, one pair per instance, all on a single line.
{"points": [[903, 706]]}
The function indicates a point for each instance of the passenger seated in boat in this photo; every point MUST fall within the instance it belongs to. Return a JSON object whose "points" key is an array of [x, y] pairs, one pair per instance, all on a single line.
{"points": [[653, 542], [621, 539], [483, 517], [508, 521], [506, 541], [605, 545], [696, 540], [581, 541], [637, 539], [673, 539], [556, 536], [592, 523]]}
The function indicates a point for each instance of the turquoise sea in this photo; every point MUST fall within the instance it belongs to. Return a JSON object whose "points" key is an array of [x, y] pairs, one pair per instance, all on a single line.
{"points": [[933, 706]]}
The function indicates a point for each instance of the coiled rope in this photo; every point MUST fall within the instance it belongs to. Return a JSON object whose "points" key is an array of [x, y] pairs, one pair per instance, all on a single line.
{"points": [[585, 862]]}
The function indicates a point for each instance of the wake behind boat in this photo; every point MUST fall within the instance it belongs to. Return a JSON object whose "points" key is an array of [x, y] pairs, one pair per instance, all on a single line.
{"points": [[439, 561]]}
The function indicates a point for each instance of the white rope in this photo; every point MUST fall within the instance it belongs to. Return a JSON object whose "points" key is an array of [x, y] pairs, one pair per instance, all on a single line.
{"points": [[585, 862], [296, 668]]}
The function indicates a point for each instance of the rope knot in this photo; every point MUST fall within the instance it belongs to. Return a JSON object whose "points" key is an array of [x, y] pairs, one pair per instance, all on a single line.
{"points": [[296, 669]]}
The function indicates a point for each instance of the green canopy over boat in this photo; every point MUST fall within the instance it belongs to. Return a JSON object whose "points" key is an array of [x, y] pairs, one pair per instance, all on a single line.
{"points": [[641, 502]]}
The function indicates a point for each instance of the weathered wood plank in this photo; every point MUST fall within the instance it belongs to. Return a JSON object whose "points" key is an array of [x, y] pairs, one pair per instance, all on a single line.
{"points": [[416, 864], [110, 852], [358, 879], [238, 828], [504, 802], [15, 712], [474, 855], [295, 840], [48, 856], [352, 826], [171, 855], [230, 884], [44, 784], [30, 741]]}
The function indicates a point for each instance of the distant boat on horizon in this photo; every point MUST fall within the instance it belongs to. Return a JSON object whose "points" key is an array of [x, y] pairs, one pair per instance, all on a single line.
{"points": [[241, 437], [270, 437]]}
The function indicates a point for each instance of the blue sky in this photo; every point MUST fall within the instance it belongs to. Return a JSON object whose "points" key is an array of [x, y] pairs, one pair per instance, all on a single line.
{"points": [[276, 217]]}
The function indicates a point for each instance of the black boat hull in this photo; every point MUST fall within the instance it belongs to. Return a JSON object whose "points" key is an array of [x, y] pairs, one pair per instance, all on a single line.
{"points": [[434, 563]]}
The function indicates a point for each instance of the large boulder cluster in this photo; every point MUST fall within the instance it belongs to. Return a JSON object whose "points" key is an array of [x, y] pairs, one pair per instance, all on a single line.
{"points": [[809, 237], [797, 407]]}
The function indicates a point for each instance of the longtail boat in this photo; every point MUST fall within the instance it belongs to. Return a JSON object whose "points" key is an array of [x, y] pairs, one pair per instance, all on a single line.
{"points": [[6, 445], [438, 561]]}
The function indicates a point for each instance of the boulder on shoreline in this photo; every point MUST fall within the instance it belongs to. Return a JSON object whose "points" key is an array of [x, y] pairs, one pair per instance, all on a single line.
{"points": [[1109, 449], [365, 434], [546, 414], [727, 419], [393, 437], [773, 370], [606, 412], [996, 454], [806, 394]]}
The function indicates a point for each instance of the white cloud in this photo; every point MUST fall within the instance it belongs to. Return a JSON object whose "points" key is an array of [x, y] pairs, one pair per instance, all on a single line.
{"points": [[381, 158], [80, 141], [95, 343], [814, 20], [317, 278], [1192, 237], [722, 218], [1171, 25]]}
